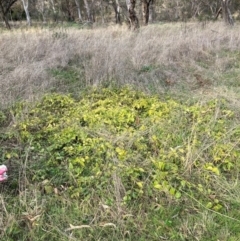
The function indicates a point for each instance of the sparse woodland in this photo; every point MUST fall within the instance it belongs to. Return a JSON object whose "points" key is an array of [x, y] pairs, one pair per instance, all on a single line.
{"points": [[119, 120], [133, 12]]}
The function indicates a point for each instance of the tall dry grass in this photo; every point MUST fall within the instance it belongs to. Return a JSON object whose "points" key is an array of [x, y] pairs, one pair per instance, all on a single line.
{"points": [[154, 58]]}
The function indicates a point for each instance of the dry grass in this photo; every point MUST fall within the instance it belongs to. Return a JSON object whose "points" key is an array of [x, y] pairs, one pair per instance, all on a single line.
{"points": [[155, 58]]}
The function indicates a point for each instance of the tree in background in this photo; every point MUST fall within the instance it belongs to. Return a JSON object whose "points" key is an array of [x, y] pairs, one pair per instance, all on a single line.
{"points": [[88, 10], [117, 9], [79, 11], [227, 16], [25, 6], [145, 10], [5, 6], [40, 7], [133, 19]]}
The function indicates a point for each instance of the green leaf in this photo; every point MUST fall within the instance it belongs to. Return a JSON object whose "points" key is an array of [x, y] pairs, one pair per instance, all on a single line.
{"points": [[178, 195]]}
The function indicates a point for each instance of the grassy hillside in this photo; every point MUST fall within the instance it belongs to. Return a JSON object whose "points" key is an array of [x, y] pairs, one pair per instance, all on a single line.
{"points": [[117, 135]]}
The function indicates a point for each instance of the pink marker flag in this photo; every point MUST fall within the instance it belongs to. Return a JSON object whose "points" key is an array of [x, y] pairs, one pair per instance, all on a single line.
{"points": [[3, 173]]}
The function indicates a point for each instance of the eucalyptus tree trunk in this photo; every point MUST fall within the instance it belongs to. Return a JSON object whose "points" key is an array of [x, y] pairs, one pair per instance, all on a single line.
{"points": [[79, 10], [25, 6], [116, 7], [145, 10], [227, 16], [134, 24]]}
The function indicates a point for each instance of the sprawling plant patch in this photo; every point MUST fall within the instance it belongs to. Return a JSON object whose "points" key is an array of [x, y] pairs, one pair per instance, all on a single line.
{"points": [[130, 145]]}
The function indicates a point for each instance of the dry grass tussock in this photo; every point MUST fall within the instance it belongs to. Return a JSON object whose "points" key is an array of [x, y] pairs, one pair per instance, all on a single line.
{"points": [[157, 57]]}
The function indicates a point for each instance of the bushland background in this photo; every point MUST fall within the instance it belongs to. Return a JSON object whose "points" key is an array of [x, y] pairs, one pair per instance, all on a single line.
{"points": [[116, 11]]}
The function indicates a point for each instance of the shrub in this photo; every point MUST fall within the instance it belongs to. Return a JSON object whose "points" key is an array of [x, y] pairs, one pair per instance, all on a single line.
{"points": [[130, 141]]}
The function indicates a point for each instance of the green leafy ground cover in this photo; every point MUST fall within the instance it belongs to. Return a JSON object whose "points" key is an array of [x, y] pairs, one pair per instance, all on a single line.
{"points": [[121, 165]]}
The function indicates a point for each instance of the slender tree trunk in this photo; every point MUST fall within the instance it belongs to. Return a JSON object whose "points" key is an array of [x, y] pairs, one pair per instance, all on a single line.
{"points": [[134, 24], [218, 13], [93, 11], [151, 11], [5, 7], [227, 16], [25, 6], [145, 10], [116, 7], [79, 10], [88, 11], [118, 13], [5, 19]]}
